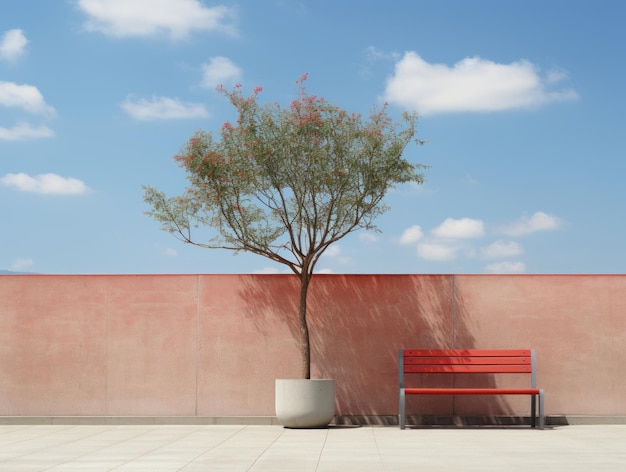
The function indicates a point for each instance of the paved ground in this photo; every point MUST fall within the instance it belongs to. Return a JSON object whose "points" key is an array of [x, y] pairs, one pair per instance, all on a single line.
{"points": [[157, 448]]}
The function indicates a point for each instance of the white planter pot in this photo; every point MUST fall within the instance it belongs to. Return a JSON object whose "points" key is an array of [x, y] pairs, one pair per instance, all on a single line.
{"points": [[305, 403]]}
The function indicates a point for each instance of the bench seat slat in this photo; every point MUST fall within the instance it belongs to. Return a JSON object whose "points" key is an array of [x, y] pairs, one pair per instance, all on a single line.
{"points": [[466, 360], [467, 352], [470, 391], [468, 369]]}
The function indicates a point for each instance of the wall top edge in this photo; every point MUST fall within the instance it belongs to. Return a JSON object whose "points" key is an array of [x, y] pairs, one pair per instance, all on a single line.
{"points": [[316, 275]]}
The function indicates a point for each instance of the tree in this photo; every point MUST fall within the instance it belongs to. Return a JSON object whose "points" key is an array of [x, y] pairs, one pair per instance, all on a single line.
{"points": [[286, 183]]}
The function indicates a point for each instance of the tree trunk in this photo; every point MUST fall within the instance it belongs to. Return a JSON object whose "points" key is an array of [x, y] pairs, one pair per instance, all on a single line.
{"points": [[305, 346]]}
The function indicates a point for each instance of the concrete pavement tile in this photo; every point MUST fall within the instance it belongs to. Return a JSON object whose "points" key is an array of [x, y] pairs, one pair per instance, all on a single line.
{"points": [[296, 464], [271, 448], [357, 465], [85, 466]]}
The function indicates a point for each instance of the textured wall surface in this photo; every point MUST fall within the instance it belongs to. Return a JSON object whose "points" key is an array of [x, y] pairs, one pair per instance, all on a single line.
{"points": [[212, 345]]}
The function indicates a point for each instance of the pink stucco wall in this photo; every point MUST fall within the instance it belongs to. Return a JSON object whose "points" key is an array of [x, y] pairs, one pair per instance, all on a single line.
{"points": [[212, 345]]}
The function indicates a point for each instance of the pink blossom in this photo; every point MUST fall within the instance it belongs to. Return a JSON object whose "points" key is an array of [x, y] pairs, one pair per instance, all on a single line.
{"points": [[258, 89]]}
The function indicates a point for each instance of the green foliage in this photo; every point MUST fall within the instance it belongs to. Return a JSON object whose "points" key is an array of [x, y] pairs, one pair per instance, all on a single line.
{"points": [[286, 183]]}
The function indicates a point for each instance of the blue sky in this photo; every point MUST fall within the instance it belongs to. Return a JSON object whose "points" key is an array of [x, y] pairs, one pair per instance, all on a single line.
{"points": [[521, 102]]}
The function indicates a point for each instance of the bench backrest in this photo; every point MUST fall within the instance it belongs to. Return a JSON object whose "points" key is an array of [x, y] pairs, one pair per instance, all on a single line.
{"points": [[467, 361]]}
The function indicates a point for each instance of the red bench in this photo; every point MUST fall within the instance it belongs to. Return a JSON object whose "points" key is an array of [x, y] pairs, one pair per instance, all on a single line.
{"points": [[470, 361]]}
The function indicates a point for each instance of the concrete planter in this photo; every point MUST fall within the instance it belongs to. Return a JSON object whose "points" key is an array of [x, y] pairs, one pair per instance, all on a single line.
{"points": [[304, 403]]}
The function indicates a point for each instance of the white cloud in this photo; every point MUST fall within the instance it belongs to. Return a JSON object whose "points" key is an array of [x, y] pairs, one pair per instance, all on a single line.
{"points": [[506, 268], [324, 271], [556, 75], [25, 97], [501, 249], [170, 252], [368, 237], [411, 235], [13, 45], [220, 71], [472, 84], [335, 253], [21, 264], [451, 240], [373, 54], [539, 221], [52, 184], [463, 228], [411, 188], [332, 251], [436, 252], [144, 18], [163, 108], [23, 131]]}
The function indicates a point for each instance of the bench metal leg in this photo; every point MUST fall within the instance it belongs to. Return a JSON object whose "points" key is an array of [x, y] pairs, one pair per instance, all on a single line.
{"points": [[542, 417], [533, 406], [401, 415]]}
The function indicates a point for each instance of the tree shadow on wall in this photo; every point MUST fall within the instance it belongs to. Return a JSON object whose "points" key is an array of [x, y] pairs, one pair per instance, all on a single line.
{"points": [[357, 325]]}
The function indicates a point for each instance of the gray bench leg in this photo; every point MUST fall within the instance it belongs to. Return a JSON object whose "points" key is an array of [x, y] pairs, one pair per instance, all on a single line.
{"points": [[401, 415], [533, 410], [542, 417]]}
